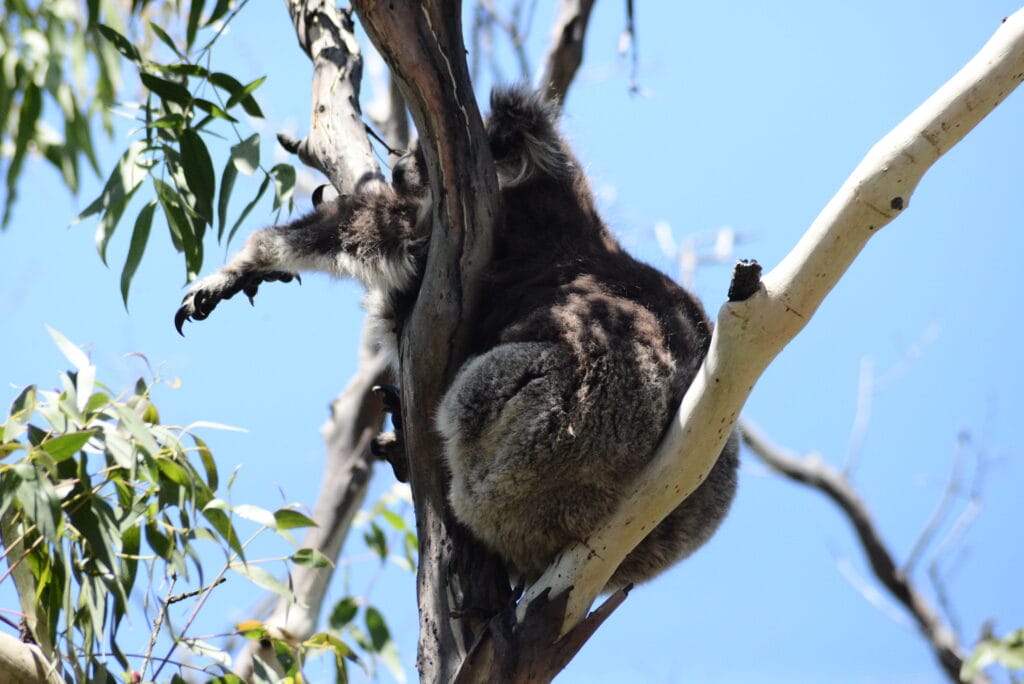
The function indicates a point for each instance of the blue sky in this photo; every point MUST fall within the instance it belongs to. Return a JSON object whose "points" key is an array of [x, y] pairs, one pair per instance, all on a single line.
{"points": [[751, 116]]}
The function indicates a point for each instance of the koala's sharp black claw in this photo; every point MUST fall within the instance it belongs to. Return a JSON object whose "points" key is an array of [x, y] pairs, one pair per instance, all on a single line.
{"points": [[250, 291], [298, 278], [179, 319], [391, 398]]}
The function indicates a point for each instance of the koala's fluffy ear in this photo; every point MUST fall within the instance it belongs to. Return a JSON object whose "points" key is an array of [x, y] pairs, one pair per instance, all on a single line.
{"points": [[523, 134]]}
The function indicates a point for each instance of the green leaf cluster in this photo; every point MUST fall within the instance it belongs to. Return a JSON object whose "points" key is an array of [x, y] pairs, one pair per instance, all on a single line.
{"points": [[1007, 652], [95, 493], [56, 74], [63, 63], [357, 631], [185, 106]]}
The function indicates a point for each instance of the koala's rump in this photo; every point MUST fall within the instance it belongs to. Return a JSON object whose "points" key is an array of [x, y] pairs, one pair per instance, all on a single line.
{"points": [[542, 437], [540, 445]]}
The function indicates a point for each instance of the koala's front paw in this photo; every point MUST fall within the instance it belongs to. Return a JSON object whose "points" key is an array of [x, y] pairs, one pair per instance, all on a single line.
{"points": [[204, 296]]}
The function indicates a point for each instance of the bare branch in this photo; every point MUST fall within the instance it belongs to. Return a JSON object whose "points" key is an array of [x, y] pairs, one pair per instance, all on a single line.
{"points": [[510, 26], [750, 333], [815, 473], [337, 144], [862, 416], [566, 52], [953, 486], [952, 543]]}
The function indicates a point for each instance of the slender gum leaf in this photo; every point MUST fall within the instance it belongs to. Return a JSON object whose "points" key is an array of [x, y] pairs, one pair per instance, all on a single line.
{"points": [[71, 352], [168, 90], [239, 94], [31, 106], [220, 9], [209, 464], [198, 166], [140, 236], [67, 445], [246, 155], [248, 208], [194, 15], [122, 44], [213, 110], [379, 633], [289, 519], [227, 184], [167, 40], [182, 231], [284, 184]]}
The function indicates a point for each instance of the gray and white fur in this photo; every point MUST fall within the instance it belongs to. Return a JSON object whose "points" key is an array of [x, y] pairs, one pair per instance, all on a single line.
{"points": [[580, 357]]}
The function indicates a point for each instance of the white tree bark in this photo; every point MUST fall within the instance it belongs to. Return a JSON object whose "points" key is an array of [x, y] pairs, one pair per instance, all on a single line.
{"points": [[21, 662], [750, 333]]}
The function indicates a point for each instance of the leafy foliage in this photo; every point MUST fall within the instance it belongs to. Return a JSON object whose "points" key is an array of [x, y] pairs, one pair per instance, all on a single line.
{"points": [[184, 103], [94, 492], [59, 53], [1007, 652], [50, 57], [357, 631]]}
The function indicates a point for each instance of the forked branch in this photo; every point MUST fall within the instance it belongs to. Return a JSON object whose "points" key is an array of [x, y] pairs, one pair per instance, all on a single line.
{"points": [[817, 474]]}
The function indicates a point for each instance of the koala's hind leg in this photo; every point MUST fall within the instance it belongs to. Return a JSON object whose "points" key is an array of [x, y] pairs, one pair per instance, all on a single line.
{"points": [[521, 480]]}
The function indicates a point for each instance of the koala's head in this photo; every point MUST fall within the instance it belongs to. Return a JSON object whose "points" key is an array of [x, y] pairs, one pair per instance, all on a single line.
{"points": [[409, 174], [523, 133]]}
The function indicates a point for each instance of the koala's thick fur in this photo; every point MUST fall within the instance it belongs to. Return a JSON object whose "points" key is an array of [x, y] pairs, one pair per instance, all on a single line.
{"points": [[580, 358]]}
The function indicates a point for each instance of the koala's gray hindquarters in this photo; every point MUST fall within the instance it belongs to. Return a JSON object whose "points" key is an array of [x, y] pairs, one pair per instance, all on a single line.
{"points": [[537, 464]]}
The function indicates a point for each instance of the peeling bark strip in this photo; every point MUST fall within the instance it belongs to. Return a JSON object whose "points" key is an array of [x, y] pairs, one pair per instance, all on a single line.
{"points": [[422, 43], [750, 333]]}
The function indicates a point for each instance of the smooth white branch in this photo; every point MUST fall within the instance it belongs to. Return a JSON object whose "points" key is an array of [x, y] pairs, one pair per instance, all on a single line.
{"points": [[750, 333]]}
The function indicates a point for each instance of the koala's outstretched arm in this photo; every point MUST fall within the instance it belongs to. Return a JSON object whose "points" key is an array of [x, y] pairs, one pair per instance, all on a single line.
{"points": [[372, 238]]}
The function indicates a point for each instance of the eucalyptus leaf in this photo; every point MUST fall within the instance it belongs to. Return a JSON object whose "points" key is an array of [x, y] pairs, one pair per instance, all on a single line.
{"points": [[140, 237], [198, 167], [289, 518], [66, 446]]}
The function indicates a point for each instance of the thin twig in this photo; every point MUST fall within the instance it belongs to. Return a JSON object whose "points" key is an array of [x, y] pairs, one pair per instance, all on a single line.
{"points": [[627, 42], [941, 508], [862, 414], [157, 624], [195, 611], [511, 29], [195, 592], [951, 543]]}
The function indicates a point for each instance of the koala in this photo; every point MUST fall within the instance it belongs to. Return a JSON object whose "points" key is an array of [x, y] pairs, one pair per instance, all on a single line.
{"points": [[580, 357]]}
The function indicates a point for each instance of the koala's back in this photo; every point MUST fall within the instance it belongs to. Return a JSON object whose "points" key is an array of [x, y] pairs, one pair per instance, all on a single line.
{"points": [[584, 354]]}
